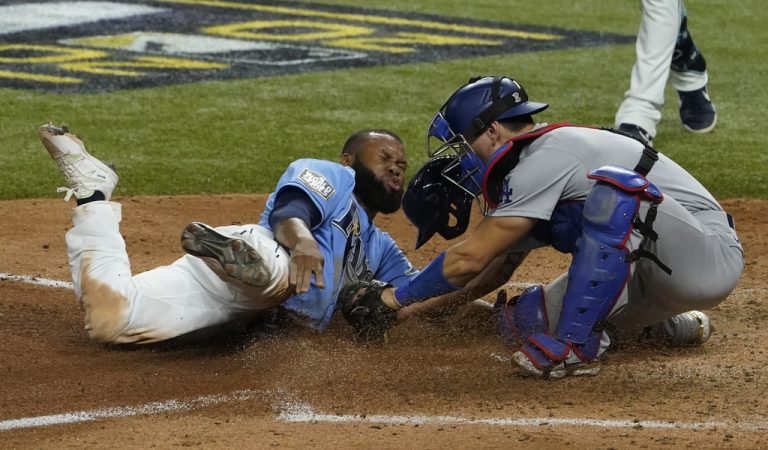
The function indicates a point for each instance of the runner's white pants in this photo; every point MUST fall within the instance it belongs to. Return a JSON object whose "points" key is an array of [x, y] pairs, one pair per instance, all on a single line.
{"points": [[654, 49], [167, 301]]}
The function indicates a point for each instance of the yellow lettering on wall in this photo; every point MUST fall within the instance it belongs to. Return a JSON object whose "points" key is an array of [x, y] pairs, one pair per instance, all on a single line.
{"points": [[246, 30], [122, 68], [116, 41], [38, 77], [400, 42], [397, 21], [49, 54]]}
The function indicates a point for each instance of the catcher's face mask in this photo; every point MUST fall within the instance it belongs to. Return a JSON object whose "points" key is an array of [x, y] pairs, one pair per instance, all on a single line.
{"points": [[465, 169]]}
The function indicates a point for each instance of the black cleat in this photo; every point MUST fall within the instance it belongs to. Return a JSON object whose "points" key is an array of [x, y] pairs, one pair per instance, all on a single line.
{"points": [[236, 257], [697, 111]]}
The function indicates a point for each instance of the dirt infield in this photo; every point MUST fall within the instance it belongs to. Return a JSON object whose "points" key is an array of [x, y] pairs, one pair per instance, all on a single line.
{"points": [[442, 384]]}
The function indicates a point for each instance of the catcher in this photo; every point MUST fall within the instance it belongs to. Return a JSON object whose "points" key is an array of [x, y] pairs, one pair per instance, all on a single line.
{"points": [[650, 245]]}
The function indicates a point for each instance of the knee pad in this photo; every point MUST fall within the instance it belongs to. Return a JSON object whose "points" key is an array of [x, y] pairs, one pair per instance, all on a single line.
{"points": [[523, 316], [601, 263]]}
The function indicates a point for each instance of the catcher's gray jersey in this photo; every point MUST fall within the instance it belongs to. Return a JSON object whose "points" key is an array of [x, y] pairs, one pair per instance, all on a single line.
{"points": [[696, 238], [554, 168]]}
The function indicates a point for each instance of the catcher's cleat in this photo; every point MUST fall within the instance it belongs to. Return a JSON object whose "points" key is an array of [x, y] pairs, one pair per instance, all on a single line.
{"points": [[688, 328], [697, 113], [235, 257], [83, 173], [571, 366]]}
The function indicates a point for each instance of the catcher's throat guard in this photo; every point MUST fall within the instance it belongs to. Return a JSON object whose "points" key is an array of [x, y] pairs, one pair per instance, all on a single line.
{"points": [[435, 206]]}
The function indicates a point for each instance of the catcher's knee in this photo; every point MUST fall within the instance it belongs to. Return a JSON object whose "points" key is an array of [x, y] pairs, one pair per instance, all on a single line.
{"points": [[612, 204], [601, 261]]}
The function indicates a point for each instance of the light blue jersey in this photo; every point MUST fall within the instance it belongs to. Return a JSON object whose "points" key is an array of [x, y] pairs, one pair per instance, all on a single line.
{"points": [[352, 246]]}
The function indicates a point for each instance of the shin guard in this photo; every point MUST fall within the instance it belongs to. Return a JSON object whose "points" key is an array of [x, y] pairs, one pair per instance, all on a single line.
{"points": [[522, 316], [600, 268]]}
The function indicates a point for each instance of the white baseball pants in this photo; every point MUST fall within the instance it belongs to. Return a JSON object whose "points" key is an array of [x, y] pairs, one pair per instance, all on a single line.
{"points": [[656, 38], [164, 302]]}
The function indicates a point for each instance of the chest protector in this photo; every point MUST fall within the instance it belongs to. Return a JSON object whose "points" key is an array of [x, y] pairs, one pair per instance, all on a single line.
{"points": [[565, 224]]}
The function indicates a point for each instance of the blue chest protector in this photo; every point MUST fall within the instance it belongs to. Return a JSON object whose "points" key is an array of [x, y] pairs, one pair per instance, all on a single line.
{"points": [[564, 227], [353, 248]]}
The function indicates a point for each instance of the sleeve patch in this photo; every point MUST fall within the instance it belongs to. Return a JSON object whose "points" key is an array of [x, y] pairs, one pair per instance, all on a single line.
{"points": [[317, 183]]}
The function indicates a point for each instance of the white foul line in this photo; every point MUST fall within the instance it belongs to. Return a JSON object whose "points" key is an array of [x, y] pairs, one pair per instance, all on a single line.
{"points": [[47, 282], [123, 411], [302, 413], [519, 284]]}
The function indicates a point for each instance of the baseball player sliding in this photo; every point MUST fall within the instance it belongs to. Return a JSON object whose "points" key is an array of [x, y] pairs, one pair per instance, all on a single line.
{"points": [[315, 235], [649, 243]]}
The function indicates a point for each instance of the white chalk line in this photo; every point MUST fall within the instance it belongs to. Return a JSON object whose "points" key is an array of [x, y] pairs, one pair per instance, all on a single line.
{"points": [[38, 281], [303, 413], [298, 412], [47, 282], [124, 411], [519, 284]]}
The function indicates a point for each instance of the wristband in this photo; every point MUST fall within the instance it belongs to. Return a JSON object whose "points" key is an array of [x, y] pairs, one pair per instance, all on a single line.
{"points": [[430, 282]]}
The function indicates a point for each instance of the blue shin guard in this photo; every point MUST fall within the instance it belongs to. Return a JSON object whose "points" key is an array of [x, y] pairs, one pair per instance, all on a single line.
{"points": [[599, 270], [523, 316]]}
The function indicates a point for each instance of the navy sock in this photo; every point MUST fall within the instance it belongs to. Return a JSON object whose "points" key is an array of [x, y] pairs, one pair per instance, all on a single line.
{"points": [[97, 195]]}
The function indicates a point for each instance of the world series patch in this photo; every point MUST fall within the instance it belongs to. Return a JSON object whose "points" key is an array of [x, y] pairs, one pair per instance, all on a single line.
{"points": [[317, 183]]}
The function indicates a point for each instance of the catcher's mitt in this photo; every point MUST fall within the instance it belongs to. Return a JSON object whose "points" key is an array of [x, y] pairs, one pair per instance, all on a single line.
{"points": [[361, 304]]}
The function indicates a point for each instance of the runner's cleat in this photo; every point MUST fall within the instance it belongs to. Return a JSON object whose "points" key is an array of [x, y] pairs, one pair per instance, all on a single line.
{"points": [[84, 174], [236, 257]]}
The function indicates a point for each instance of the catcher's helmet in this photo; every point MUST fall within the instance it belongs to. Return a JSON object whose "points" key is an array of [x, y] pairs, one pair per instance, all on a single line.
{"points": [[432, 204], [468, 112], [474, 106]]}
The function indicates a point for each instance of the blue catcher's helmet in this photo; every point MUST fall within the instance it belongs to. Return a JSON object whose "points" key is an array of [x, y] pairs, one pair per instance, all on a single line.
{"points": [[434, 205], [468, 112]]}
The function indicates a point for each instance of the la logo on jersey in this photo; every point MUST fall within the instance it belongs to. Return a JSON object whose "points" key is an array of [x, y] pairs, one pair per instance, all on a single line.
{"points": [[506, 192], [317, 183]]}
